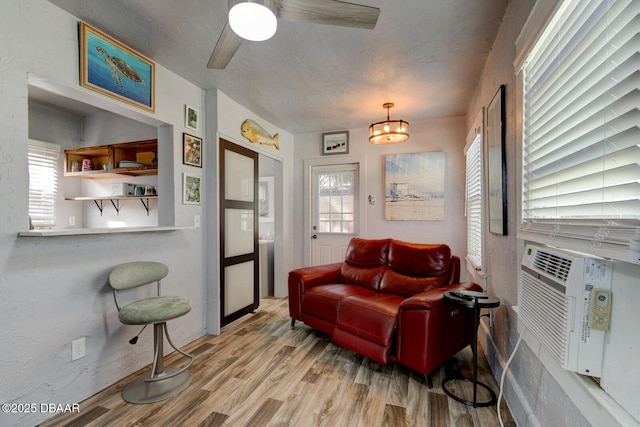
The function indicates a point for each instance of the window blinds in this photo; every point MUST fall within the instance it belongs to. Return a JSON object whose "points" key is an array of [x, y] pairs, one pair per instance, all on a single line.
{"points": [[43, 182], [581, 125], [474, 202]]}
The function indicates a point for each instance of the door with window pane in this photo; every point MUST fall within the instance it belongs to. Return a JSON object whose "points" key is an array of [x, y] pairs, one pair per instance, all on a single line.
{"points": [[239, 231], [334, 211]]}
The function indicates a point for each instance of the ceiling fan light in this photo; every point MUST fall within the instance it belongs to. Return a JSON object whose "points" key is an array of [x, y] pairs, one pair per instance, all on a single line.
{"points": [[253, 20]]}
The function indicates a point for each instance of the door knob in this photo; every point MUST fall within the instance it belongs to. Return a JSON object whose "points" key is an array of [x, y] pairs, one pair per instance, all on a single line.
{"points": [[315, 236]]}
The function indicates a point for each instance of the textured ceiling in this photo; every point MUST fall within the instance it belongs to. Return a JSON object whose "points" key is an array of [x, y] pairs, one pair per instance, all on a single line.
{"points": [[425, 56]]}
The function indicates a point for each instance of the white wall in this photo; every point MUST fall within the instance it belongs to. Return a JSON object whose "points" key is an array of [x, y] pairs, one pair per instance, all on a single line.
{"points": [[446, 135], [538, 391], [53, 290]]}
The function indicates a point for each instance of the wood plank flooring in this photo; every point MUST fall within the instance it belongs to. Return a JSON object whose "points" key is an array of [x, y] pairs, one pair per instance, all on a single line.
{"points": [[260, 372]]}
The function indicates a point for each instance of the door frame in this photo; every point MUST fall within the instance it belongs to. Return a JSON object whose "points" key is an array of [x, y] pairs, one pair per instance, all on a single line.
{"points": [[363, 191]]}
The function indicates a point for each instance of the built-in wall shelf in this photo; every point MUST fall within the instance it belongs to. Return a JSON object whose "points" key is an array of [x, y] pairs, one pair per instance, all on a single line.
{"points": [[137, 158], [94, 231], [115, 201], [113, 174]]}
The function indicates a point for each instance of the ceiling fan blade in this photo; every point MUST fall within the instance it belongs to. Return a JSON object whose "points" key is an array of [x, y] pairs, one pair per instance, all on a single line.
{"points": [[329, 12], [226, 47]]}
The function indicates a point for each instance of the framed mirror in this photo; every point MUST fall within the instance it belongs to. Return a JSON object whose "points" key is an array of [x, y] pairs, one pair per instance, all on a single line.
{"points": [[497, 163]]}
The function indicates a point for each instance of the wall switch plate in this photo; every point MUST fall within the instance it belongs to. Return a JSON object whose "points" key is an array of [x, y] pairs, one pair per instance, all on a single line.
{"points": [[196, 220], [77, 349], [72, 220]]}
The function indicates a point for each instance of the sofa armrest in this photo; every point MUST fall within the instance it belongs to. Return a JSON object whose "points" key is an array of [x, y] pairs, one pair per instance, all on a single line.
{"points": [[434, 298], [431, 329], [454, 273], [304, 278], [316, 275]]}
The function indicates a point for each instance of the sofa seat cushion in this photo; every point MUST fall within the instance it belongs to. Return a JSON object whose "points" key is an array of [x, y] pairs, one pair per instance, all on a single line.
{"points": [[372, 317], [323, 301], [154, 310]]}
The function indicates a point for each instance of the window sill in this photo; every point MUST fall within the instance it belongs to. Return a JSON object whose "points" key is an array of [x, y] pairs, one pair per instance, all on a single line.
{"points": [[93, 231]]}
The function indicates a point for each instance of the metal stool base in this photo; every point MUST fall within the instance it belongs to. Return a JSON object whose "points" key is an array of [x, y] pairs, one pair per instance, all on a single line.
{"points": [[142, 391], [475, 404]]}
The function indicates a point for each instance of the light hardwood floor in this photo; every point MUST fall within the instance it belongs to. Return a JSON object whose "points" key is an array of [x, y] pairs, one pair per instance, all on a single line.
{"points": [[260, 372]]}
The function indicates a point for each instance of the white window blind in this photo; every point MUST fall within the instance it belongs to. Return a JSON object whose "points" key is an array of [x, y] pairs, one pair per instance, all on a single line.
{"points": [[581, 142], [43, 182], [474, 202]]}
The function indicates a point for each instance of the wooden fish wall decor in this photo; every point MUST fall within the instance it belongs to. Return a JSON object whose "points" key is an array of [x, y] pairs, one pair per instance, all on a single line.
{"points": [[255, 133]]}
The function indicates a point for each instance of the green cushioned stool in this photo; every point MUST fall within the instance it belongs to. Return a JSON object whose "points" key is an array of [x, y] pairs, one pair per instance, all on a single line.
{"points": [[156, 311]]}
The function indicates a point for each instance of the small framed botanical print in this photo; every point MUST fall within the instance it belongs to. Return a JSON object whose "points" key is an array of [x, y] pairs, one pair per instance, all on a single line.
{"points": [[191, 189], [192, 150], [191, 116]]}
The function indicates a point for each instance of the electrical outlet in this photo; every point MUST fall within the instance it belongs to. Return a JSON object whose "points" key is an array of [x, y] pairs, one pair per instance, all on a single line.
{"points": [[196, 220], [72, 220], [77, 349]]}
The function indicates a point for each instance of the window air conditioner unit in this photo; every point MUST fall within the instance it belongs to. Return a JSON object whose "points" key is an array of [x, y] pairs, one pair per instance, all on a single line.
{"points": [[554, 303]]}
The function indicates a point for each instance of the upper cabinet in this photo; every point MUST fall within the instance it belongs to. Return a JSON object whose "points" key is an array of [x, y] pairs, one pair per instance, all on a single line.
{"points": [[112, 161]]}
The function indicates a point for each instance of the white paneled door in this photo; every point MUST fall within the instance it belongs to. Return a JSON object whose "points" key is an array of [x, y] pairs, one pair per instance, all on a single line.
{"points": [[334, 211], [239, 231]]}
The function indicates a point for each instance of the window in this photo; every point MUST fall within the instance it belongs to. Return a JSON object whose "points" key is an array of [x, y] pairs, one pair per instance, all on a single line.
{"points": [[43, 183], [336, 192], [581, 125], [473, 155]]}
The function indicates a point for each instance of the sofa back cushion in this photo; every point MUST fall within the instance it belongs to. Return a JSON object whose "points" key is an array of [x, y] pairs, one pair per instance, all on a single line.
{"points": [[365, 262], [415, 268]]}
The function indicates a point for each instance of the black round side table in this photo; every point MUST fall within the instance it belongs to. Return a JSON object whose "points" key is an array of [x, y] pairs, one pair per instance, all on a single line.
{"points": [[475, 301]]}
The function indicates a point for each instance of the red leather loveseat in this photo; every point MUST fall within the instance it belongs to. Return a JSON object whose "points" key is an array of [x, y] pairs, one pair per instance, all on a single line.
{"points": [[386, 302]]}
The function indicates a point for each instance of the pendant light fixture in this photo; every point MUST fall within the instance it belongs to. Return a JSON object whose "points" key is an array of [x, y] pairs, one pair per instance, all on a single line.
{"points": [[388, 131], [253, 20]]}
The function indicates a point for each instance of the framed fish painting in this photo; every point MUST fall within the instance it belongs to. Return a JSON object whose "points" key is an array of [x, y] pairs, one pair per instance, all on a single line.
{"points": [[255, 133], [111, 68]]}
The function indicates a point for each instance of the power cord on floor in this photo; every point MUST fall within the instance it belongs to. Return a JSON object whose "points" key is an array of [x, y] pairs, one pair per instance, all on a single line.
{"points": [[504, 373]]}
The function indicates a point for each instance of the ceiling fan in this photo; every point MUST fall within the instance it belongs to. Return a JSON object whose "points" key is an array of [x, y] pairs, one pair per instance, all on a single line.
{"points": [[329, 12]]}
